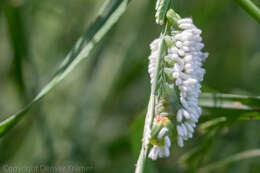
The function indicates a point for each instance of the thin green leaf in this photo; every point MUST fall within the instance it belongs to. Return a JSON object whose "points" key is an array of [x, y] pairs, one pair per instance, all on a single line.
{"points": [[18, 43], [234, 158], [251, 8], [230, 101], [192, 160], [236, 106], [208, 125], [106, 19]]}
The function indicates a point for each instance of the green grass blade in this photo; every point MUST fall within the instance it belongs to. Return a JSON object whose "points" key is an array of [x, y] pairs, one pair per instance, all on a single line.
{"points": [[230, 101], [250, 8], [18, 42], [234, 158], [236, 107], [106, 19]]}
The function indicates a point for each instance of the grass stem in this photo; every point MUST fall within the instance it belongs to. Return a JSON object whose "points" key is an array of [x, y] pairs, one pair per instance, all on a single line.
{"points": [[251, 8]]}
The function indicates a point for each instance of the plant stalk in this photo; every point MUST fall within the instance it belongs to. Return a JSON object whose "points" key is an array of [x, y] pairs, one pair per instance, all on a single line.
{"points": [[140, 166], [251, 8]]}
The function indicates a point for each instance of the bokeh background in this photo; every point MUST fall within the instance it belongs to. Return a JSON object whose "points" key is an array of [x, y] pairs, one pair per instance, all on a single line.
{"points": [[94, 118]]}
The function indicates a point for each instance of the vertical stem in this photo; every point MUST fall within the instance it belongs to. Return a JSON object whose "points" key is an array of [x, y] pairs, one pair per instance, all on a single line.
{"points": [[140, 166], [251, 8], [20, 44], [145, 146]]}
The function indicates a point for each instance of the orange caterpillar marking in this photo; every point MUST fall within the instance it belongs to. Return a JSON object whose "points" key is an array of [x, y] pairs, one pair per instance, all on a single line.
{"points": [[161, 119]]}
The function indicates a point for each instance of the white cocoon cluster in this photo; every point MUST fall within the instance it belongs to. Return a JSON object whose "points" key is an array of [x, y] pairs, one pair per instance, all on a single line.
{"points": [[187, 73], [163, 150], [153, 58], [184, 59]]}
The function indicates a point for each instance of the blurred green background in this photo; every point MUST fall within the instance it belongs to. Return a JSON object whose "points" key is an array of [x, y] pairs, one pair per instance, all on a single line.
{"points": [[95, 116]]}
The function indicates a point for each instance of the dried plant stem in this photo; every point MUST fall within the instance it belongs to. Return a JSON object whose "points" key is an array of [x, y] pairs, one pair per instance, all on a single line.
{"points": [[140, 166]]}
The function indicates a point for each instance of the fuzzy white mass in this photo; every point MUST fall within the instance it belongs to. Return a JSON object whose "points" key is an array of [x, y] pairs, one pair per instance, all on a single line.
{"points": [[185, 59], [163, 150], [188, 74]]}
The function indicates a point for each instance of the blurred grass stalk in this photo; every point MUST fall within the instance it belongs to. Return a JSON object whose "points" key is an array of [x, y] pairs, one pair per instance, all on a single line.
{"points": [[251, 8], [18, 41], [106, 73], [110, 14], [239, 107], [234, 158], [20, 44], [233, 101]]}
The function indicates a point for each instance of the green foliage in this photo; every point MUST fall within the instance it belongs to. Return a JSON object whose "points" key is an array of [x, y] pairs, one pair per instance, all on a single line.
{"points": [[235, 106], [87, 120], [136, 141], [95, 33], [251, 8], [234, 158]]}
